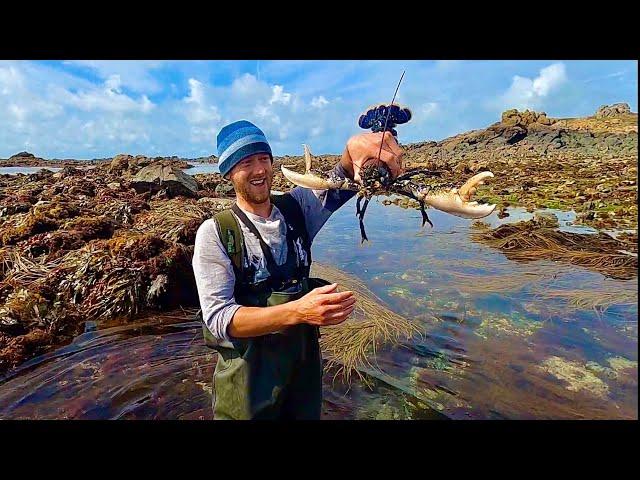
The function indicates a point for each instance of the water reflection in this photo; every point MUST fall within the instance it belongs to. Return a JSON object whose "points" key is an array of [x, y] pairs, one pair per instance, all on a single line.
{"points": [[503, 339]]}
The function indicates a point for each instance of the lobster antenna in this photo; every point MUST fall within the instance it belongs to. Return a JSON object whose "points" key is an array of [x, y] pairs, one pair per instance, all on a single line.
{"points": [[389, 113]]}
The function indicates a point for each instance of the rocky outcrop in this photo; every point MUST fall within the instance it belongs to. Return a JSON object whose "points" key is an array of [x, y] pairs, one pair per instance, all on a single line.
{"points": [[23, 155], [613, 110], [172, 180], [129, 165], [526, 118]]}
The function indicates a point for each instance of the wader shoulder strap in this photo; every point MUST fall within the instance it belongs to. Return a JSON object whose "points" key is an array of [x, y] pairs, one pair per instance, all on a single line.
{"points": [[292, 212], [294, 216], [266, 251], [231, 237]]}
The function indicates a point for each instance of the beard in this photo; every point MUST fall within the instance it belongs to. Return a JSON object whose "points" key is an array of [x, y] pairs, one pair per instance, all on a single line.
{"points": [[255, 194]]}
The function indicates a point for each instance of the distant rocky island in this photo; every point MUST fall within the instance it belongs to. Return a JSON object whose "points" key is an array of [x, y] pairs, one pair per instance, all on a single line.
{"points": [[26, 159]]}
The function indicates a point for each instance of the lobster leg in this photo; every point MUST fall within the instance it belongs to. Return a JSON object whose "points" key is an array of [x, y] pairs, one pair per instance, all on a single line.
{"points": [[363, 235], [425, 217], [418, 171]]}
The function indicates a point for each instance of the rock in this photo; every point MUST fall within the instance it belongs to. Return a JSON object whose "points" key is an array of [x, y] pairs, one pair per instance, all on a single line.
{"points": [[510, 116], [543, 120], [157, 177], [224, 189], [545, 219], [119, 163], [114, 185], [613, 110], [514, 134], [157, 290], [525, 119], [22, 155]]}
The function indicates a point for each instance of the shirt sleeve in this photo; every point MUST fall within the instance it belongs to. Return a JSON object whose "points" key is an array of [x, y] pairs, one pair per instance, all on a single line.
{"points": [[215, 280], [319, 205]]}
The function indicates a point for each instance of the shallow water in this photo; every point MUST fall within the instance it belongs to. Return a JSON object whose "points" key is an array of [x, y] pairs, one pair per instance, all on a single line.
{"points": [[202, 168], [507, 350], [25, 170], [197, 168], [495, 343]]}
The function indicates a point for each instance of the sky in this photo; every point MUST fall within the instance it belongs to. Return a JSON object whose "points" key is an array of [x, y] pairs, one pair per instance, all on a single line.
{"points": [[100, 108]]}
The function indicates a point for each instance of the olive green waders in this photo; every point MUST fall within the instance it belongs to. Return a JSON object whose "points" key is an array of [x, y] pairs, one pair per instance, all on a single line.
{"points": [[279, 375]]}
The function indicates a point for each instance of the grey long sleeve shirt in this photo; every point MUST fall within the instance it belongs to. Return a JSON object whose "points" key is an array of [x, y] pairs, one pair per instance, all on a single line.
{"points": [[212, 266]]}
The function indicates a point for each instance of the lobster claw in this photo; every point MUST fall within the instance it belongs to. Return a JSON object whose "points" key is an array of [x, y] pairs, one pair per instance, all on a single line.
{"points": [[311, 180], [458, 201]]}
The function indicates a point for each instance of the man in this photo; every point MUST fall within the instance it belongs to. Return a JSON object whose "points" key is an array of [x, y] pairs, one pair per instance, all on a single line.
{"points": [[251, 266]]}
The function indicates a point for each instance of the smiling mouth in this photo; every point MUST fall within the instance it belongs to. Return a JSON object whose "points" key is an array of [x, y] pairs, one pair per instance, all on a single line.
{"points": [[258, 183]]}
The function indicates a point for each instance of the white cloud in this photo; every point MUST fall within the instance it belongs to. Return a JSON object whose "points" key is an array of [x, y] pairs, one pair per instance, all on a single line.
{"points": [[246, 85], [136, 75], [319, 102], [18, 99], [10, 80], [198, 110], [429, 109], [58, 110], [447, 65], [279, 96], [266, 114], [196, 92], [550, 77], [108, 97], [530, 93]]}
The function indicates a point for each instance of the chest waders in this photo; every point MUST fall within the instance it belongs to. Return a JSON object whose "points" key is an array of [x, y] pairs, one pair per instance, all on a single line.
{"points": [[273, 376]]}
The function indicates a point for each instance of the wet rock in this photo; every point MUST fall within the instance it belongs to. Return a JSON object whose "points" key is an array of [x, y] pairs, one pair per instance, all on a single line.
{"points": [[502, 213]]}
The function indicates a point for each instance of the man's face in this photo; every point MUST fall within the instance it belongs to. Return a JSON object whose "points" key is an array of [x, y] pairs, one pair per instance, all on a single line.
{"points": [[252, 178]]}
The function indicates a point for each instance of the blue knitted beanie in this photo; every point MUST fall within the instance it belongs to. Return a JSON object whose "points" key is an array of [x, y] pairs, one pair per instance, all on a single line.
{"points": [[237, 141]]}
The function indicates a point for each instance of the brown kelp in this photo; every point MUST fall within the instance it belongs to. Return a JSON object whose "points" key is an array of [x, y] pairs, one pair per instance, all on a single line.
{"points": [[539, 239], [599, 300], [84, 245], [353, 343]]}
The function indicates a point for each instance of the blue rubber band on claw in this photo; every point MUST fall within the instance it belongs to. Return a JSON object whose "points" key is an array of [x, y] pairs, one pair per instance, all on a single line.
{"points": [[374, 118]]}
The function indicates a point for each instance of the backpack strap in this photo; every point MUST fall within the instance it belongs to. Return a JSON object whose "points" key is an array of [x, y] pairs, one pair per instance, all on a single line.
{"points": [[232, 239]]}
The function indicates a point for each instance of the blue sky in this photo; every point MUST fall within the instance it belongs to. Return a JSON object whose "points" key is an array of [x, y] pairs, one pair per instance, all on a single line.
{"points": [[95, 109]]}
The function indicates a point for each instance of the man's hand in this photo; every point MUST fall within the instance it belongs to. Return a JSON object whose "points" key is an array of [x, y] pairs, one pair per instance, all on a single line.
{"points": [[322, 307], [363, 149]]}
